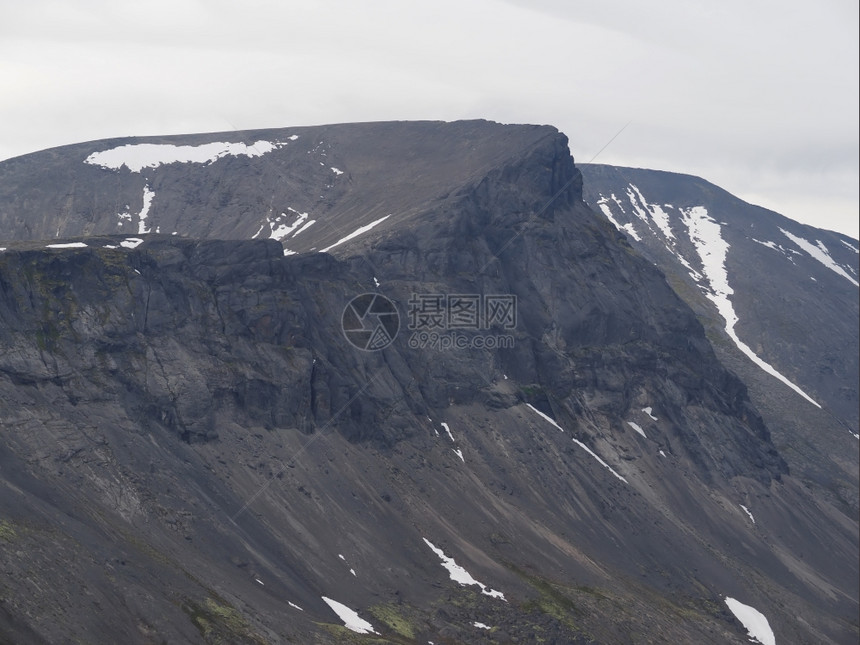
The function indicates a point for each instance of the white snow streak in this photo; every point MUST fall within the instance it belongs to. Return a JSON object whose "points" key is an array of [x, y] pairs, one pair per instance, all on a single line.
{"points": [[631, 231], [448, 430], [481, 625], [579, 443], [459, 453], [850, 246], [67, 245], [712, 249], [144, 212], [137, 156], [602, 463], [747, 511], [819, 252], [627, 228], [294, 606], [545, 416], [356, 233], [754, 621], [637, 428], [660, 217], [460, 575], [648, 412], [305, 227], [283, 230], [777, 247], [637, 210], [350, 618]]}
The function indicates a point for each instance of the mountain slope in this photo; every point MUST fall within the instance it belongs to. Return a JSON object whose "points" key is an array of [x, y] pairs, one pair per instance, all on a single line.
{"points": [[308, 187], [193, 450], [790, 291]]}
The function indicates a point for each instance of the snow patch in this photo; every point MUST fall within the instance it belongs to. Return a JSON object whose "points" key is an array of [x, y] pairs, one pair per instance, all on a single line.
{"points": [[356, 233], [819, 252], [144, 212], [626, 228], [776, 247], [658, 215], [67, 245], [755, 622], [545, 416], [137, 156], [131, 242], [637, 209], [636, 427], [747, 511], [712, 249], [459, 453], [460, 575], [283, 230], [850, 246], [662, 454], [448, 430], [648, 412], [305, 227], [481, 625], [579, 443], [602, 463], [336, 171], [350, 618], [294, 606]]}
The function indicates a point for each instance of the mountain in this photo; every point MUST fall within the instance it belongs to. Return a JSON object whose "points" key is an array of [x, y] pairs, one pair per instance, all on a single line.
{"points": [[541, 446], [779, 301]]}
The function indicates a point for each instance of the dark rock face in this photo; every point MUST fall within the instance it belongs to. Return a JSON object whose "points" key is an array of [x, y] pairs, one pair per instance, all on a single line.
{"points": [[192, 448]]}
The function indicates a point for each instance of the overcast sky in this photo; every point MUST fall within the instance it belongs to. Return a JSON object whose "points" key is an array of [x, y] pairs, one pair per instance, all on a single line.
{"points": [[756, 96]]}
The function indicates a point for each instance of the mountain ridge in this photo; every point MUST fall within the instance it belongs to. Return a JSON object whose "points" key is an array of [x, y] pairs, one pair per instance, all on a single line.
{"points": [[192, 409]]}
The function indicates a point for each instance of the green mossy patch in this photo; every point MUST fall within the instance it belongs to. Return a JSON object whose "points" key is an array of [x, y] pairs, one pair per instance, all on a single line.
{"points": [[219, 623]]}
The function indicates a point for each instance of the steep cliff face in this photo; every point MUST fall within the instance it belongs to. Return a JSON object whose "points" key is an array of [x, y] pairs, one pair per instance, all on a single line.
{"points": [[195, 451]]}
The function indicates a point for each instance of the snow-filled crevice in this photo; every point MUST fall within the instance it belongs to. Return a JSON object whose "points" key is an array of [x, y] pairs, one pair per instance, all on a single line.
{"points": [[705, 233]]}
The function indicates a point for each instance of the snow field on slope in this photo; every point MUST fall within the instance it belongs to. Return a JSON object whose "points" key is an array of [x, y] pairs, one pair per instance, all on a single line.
{"points": [[137, 156], [705, 233]]}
